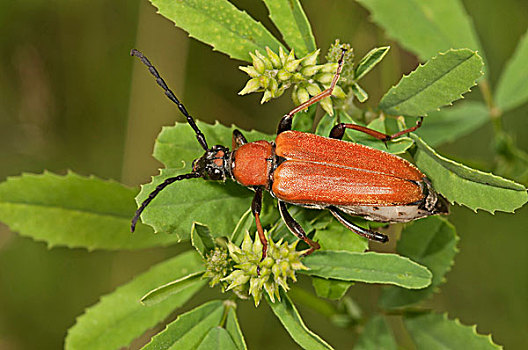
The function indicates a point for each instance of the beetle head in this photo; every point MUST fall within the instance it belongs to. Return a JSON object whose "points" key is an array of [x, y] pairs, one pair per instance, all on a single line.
{"points": [[213, 165]]}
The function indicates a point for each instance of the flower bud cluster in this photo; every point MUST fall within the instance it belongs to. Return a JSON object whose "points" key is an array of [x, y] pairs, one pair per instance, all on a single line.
{"points": [[245, 273], [274, 73]]}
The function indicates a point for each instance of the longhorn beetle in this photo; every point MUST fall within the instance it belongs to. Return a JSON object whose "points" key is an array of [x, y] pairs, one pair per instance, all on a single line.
{"points": [[313, 171]]}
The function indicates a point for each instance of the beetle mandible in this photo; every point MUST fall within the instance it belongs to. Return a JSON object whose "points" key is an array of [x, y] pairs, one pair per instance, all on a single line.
{"points": [[314, 172]]}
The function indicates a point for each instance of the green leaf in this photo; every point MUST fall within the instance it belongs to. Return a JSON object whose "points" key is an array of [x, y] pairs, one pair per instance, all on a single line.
{"points": [[75, 211], [167, 290], [425, 27], [292, 322], [330, 288], [376, 335], [214, 204], [510, 160], [290, 19], [243, 225], [190, 328], [119, 317], [452, 123], [432, 243], [512, 90], [434, 331], [368, 267], [371, 59], [233, 328], [439, 82], [219, 24], [469, 187], [217, 338], [358, 91], [201, 239]]}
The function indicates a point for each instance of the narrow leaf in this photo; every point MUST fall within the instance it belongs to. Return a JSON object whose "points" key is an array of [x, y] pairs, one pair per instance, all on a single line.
{"points": [[201, 239], [119, 317], [233, 328], [214, 204], [217, 338], [425, 27], [439, 82], [368, 267], [432, 243], [75, 211], [292, 322], [358, 91], [243, 225], [219, 24], [330, 288], [512, 90], [167, 290], [371, 59], [452, 123], [469, 187], [434, 331], [290, 19], [376, 335], [189, 329]]}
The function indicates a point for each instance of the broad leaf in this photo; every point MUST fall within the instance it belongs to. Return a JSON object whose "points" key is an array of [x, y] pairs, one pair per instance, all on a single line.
{"points": [[217, 338], [469, 187], [376, 335], [201, 239], [439, 82], [452, 123], [119, 317], [290, 19], [75, 211], [432, 243], [330, 288], [190, 328], [214, 204], [425, 27], [512, 90], [167, 290], [368, 267], [371, 59], [433, 331], [219, 24], [233, 328], [292, 322]]}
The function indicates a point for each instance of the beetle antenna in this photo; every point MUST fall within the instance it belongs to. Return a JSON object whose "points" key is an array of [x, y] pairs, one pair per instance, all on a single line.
{"points": [[154, 193], [171, 96]]}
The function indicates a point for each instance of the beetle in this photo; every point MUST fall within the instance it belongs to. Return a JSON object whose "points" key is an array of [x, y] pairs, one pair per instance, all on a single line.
{"points": [[313, 171]]}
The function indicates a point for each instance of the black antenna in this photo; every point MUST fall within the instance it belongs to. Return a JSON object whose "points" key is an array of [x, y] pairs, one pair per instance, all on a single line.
{"points": [[171, 96], [154, 193]]}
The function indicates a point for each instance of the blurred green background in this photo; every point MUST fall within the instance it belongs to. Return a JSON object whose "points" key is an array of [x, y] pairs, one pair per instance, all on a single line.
{"points": [[72, 98]]}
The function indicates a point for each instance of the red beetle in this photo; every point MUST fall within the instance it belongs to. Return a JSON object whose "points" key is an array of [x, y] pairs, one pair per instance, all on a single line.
{"points": [[314, 172]]}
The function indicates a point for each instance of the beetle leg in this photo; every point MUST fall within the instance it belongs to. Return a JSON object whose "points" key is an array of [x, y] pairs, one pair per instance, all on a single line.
{"points": [[338, 131], [296, 228], [372, 235], [285, 123], [256, 206], [238, 139]]}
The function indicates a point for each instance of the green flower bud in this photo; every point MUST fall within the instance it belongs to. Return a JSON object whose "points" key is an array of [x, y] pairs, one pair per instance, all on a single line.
{"points": [[273, 87], [338, 92], [283, 75], [258, 64], [313, 89], [309, 71], [251, 86], [324, 78], [282, 55], [264, 81], [330, 67], [291, 66], [302, 95], [274, 58], [250, 70], [266, 97], [326, 104], [267, 62], [311, 59]]}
